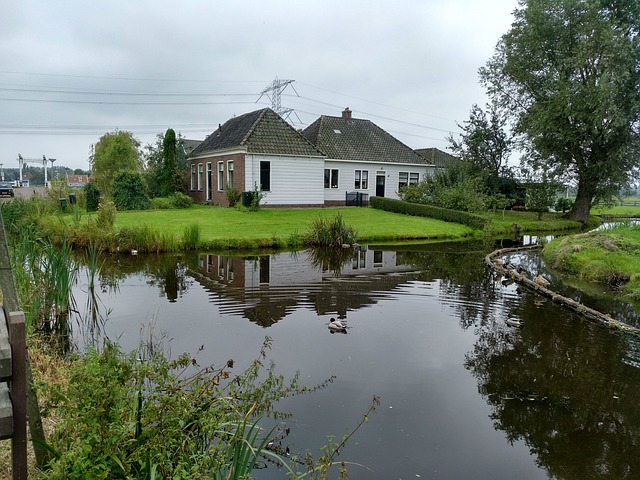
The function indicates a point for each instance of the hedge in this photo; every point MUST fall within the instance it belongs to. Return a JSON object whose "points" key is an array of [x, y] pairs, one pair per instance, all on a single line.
{"points": [[419, 210]]}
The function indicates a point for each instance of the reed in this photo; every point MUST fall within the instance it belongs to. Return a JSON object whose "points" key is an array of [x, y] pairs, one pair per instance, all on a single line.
{"points": [[327, 232], [191, 237]]}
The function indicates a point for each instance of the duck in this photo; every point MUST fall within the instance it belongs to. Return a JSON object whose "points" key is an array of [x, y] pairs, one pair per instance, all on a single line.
{"points": [[541, 281], [337, 326], [498, 261], [513, 321]]}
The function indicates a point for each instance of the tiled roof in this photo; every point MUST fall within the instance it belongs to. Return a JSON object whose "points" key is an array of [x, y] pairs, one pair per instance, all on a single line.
{"points": [[438, 157], [356, 139], [262, 131]]}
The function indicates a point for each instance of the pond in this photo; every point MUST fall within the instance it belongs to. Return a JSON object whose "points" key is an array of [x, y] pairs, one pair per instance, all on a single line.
{"points": [[463, 395]]}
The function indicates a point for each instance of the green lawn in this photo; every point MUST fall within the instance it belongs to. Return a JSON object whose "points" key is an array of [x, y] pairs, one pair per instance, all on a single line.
{"points": [[502, 222], [233, 225]]}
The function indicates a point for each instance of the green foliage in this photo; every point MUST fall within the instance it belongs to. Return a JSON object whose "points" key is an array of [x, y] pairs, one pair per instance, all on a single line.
{"points": [[115, 152], [563, 204], [159, 177], [455, 188], [399, 206], [484, 143], [256, 197], [326, 232], [106, 215], [129, 192], [122, 416], [569, 73], [169, 162], [175, 200], [233, 196], [92, 193], [191, 237]]}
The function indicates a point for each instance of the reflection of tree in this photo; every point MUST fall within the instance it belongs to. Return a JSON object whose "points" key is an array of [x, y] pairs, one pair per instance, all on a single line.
{"points": [[461, 274], [569, 392]]}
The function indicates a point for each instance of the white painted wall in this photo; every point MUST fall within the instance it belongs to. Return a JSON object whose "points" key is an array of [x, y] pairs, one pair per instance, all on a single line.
{"points": [[294, 180], [346, 177]]}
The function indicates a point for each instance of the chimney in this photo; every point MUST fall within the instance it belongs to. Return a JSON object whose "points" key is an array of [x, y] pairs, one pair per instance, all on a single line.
{"points": [[346, 113]]}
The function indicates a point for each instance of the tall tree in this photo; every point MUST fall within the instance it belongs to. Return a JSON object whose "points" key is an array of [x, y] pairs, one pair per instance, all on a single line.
{"points": [[485, 144], [569, 71], [115, 152], [168, 162]]}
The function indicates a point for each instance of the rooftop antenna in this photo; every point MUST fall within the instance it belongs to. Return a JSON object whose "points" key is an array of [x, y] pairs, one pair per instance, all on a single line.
{"points": [[273, 92]]}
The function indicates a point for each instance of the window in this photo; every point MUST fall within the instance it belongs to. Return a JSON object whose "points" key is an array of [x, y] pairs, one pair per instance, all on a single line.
{"points": [[200, 175], [230, 173], [265, 176], [407, 178], [220, 176], [403, 179], [330, 178], [193, 176], [361, 179], [209, 181]]}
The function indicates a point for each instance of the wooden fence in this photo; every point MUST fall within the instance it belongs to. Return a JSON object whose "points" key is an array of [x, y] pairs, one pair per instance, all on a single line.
{"points": [[13, 366]]}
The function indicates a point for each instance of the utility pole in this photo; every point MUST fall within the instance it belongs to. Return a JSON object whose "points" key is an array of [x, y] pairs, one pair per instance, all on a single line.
{"points": [[2, 171], [274, 92]]}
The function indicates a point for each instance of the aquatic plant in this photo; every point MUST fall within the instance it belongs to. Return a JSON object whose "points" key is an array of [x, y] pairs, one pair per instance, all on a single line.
{"points": [[330, 232]]}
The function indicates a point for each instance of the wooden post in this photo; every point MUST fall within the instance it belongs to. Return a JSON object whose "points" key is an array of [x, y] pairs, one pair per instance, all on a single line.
{"points": [[18, 339]]}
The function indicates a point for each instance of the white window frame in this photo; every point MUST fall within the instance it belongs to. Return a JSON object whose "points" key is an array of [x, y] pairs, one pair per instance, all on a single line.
{"points": [[193, 176], [230, 173], [200, 176], [333, 178], [220, 176], [361, 180], [208, 181]]}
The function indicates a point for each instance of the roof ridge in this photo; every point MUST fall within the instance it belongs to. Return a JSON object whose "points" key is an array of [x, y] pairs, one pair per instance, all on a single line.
{"points": [[245, 139]]}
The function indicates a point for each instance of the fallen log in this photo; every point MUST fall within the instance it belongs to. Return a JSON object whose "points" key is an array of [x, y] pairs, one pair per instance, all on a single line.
{"points": [[590, 313]]}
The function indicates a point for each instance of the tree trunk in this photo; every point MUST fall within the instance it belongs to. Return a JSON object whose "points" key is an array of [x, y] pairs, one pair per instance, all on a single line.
{"points": [[582, 205]]}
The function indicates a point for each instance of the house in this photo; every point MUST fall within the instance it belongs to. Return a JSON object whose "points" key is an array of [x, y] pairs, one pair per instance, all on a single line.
{"points": [[332, 157], [257, 148], [438, 158], [362, 157], [77, 181]]}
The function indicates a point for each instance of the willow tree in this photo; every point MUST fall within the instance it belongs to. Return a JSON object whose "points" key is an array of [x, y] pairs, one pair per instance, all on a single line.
{"points": [[115, 152], [569, 72]]}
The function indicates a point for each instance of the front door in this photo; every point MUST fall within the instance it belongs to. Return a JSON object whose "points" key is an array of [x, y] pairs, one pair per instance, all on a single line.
{"points": [[380, 179]]}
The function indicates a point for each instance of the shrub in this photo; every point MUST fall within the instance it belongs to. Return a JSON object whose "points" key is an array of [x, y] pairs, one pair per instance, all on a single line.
{"points": [[161, 203], [144, 416], [563, 204], [92, 194], [106, 216], [180, 200], [233, 196], [129, 192], [330, 232], [256, 198], [398, 206]]}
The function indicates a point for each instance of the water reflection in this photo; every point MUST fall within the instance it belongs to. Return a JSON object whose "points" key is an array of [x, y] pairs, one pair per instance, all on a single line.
{"points": [[559, 389]]}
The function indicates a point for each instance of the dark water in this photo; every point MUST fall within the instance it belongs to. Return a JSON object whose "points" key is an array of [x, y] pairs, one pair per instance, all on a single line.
{"points": [[463, 395]]}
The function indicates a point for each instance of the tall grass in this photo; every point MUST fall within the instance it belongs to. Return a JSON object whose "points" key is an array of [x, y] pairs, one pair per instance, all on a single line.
{"points": [[333, 232], [191, 237]]}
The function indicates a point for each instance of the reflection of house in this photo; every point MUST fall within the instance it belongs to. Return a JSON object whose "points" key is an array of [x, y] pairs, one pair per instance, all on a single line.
{"points": [[364, 158], [267, 288]]}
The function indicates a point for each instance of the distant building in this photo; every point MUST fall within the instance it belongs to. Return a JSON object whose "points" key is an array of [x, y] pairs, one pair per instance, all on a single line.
{"points": [[438, 158], [77, 181]]}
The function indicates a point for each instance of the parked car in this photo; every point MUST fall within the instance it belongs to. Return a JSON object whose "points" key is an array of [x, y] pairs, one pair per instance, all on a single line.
{"points": [[6, 190]]}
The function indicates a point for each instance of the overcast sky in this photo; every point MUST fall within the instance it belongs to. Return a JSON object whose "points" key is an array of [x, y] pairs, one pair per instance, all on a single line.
{"points": [[71, 71]]}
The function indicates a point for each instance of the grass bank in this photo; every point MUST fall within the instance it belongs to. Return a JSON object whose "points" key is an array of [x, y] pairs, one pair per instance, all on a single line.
{"points": [[221, 227], [610, 257], [502, 222]]}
